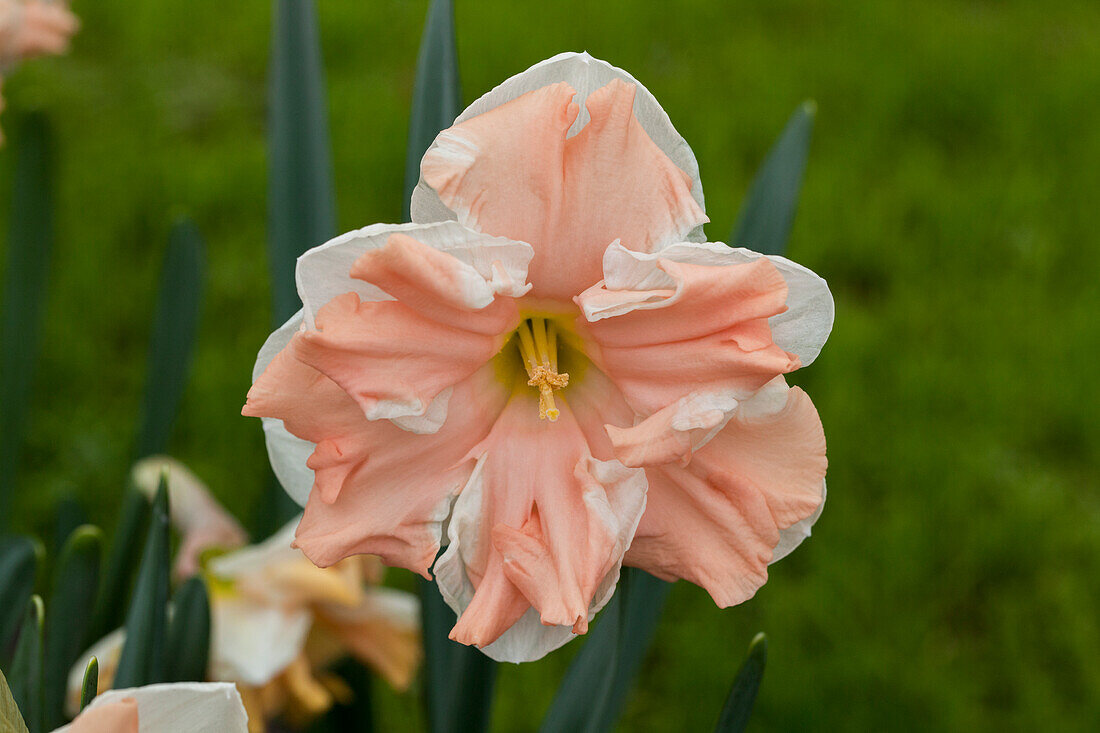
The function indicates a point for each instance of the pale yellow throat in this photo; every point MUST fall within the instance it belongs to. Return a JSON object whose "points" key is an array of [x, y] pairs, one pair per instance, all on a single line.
{"points": [[538, 345]]}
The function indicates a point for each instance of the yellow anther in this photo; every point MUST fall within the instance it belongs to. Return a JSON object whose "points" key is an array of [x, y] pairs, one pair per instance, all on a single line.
{"points": [[538, 345]]}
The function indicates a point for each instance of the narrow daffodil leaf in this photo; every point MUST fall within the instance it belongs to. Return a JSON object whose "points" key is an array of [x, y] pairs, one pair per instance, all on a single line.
{"points": [[475, 678], [460, 679], [26, 667], [301, 199], [188, 633], [437, 94], [586, 688], [30, 241], [595, 687], [738, 707], [18, 559], [11, 720], [355, 713], [69, 515], [122, 562], [142, 659], [768, 212], [171, 344], [89, 687], [68, 614]]}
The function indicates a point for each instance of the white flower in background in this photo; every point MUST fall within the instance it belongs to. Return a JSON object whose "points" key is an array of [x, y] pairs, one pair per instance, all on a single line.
{"points": [[184, 707], [277, 620], [277, 617]]}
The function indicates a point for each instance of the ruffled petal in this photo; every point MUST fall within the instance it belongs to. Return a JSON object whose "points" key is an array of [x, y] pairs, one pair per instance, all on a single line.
{"points": [[718, 521], [541, 525], [394, 357], [705, 330], [584, 74], [378, 489], [629, 278], [511, 171], [325, 272]]}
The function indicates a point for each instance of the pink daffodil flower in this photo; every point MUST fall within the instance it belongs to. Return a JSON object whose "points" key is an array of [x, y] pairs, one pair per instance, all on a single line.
{"points": [[550, 372]]}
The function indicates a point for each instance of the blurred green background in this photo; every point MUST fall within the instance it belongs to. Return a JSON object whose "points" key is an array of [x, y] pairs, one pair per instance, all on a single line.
{"points": [[953, 582]]}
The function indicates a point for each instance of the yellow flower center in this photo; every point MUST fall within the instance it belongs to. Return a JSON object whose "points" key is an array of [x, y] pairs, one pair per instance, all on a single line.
{"points": [[538, 346]]}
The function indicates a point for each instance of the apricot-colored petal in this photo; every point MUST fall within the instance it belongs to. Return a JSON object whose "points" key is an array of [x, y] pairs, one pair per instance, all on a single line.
{"points": [[717, 522], [512, 172], [395, 357], [503, 172], [325, 272], [674, 432], [541, 524], [618, 186], [381, 490], [708, 333], [636, 280], [584, 74], [115, 717]]}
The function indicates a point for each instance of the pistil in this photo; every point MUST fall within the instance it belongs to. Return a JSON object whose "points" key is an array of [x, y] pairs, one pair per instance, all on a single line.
{"points": [[538, 345]]}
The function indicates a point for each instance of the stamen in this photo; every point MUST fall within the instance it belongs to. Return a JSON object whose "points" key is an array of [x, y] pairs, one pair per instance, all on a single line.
{"points": [[538, 345], [538, 327], [527, 347], [552, 338]]}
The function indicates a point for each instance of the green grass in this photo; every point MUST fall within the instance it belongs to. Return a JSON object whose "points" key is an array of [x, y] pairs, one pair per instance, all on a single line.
{"points": [[954, 579]]}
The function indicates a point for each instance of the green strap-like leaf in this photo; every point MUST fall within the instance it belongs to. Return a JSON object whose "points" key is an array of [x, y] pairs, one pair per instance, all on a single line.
{"points": [[301, 199], [89, 687], [188, 633], [69, 515], [11, 720], [26, 668], [301, 205], [142, 658], [768, 212], [174, 327], [437, 95], [18, 559], [593, 692], [738, 707], [76, 580], [355, 714], [460, 679], [24, 295], [122, 562]]}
